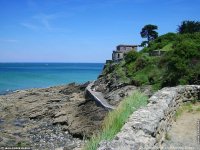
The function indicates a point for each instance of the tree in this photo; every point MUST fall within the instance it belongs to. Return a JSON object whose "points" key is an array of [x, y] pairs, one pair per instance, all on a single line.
{"points": [[189, 27], [148, 31]]}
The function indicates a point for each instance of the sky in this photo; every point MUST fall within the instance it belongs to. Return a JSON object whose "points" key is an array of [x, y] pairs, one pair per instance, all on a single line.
{"points": [[83, 30]]}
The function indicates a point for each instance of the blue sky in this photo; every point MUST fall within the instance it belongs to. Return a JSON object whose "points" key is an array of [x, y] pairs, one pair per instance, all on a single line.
{"points": [[82, 30]]}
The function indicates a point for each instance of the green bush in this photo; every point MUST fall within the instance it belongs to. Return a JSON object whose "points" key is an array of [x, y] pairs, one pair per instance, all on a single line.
{"points": [[140, 63], [131, 56], [182, 63]]}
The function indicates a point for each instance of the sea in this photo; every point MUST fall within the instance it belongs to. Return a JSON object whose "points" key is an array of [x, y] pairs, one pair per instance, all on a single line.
{"points": [[18, 76]]}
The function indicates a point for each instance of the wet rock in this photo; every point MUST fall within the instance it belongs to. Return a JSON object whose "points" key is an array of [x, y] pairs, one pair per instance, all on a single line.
{"points": [[83, 86], [20, 122], [70, 146], [71, 88], [1, 120], [72, 84]]}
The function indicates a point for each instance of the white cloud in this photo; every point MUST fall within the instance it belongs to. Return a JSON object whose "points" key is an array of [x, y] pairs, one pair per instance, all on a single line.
{"points": [[45, 19], [30, 26]]}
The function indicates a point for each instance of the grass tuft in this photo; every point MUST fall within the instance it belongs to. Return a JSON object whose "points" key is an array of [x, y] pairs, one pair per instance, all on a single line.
{"points": [[198, 109], [115, 119], [167, 136], [187, 107]]}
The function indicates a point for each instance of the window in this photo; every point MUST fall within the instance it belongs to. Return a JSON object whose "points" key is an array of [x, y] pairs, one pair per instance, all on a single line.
{"points": [[118, 55]]}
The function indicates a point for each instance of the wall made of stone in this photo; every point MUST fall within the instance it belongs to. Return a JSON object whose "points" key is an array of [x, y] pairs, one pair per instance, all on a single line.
{"points": [[146, 128]]}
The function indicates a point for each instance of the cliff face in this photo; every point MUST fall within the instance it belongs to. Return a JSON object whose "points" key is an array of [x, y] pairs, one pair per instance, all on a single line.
{"points": [[114, 88]]}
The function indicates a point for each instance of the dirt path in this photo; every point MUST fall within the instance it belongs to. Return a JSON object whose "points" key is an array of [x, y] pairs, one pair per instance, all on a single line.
{"points": [[183, 134]]}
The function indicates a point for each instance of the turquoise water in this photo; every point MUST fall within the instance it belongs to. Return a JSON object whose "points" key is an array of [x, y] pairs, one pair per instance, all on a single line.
{"points": [[14, 76]]}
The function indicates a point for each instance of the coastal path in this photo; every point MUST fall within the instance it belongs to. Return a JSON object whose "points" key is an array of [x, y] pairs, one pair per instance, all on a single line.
{"points": [[98, 97]]}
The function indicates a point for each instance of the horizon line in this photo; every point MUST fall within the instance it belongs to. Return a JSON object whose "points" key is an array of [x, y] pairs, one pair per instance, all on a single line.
{"points": [[53, 62]]}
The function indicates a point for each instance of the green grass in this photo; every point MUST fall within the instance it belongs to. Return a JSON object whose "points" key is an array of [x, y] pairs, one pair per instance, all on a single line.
{"points": [[119, 73], [198, 109], [184, 107], [168, 47], [122, 75], [23, 144], [187, 107], [115, 119], [148, 71], [167, 136]]}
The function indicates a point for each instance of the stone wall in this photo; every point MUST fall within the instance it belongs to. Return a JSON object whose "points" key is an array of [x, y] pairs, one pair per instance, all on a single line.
{"points": [[157, 53], [117, 56], [147, 127]]}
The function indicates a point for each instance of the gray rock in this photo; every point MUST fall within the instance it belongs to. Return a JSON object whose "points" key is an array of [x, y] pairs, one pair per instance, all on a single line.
{"points": [[70, 146], [63, 120]]}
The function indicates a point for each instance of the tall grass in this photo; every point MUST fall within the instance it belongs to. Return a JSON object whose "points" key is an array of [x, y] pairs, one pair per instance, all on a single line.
{"points": [[115, 119]]}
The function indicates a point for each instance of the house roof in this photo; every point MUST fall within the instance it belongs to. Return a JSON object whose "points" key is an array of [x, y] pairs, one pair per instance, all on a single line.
{"points": [[123, 45], [117, 52]]}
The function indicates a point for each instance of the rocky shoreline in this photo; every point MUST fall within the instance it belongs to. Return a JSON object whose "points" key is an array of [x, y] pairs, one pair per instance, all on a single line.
{"points": [[49, 118], [59, 117]]}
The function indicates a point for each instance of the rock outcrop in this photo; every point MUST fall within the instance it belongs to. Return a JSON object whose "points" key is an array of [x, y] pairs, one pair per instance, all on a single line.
{"points": [[114, 89], [146, 128], [48, 118]]}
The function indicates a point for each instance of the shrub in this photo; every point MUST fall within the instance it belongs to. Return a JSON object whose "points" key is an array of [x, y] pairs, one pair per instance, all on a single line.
{"points": [[140, 63], [131, 56], [180, 65]]}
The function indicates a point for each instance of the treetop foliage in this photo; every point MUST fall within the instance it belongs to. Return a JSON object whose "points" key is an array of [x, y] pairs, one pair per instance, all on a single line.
{"points": [[148, 31], [189, 27]]}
